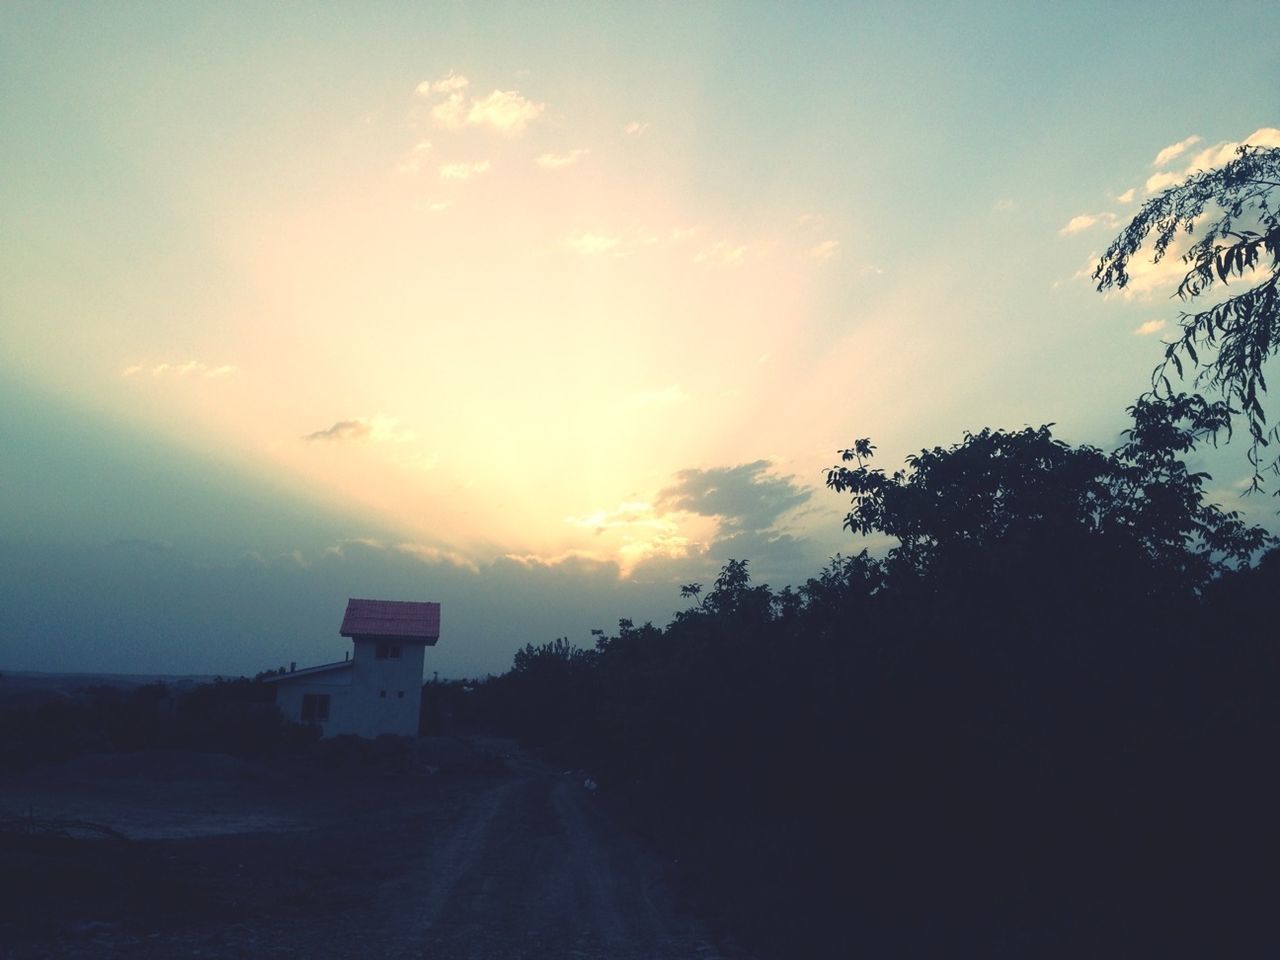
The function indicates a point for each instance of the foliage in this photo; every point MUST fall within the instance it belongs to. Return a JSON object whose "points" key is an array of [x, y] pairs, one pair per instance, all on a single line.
{"points": [[1234, 209], [953, 747], [1026, 492], [237, 717]]}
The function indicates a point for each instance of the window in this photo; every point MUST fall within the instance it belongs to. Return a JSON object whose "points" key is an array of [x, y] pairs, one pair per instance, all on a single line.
{"points": [[387, 650], [395, 651], [315, 707], [382, 694], [399, 694], [381, 652]]}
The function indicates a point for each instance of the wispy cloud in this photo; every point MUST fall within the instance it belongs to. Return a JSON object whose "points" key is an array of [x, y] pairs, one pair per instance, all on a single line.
{"points": [[464, 171], [507, 112], [1084, 221], [189, 369], [438, 555], [721, 252], [1174, 150], [1208, 158], [1126, 197], [558, 161], [378, 429], [1158, 181], [453, 83], [413, 161], [343, 431], [824, 250], [593, 244], [1148, 328], [635, 128], [743, 498]]}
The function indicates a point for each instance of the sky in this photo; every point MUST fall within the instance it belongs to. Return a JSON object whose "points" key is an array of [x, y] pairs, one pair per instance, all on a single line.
{"points": [[542, 310]]}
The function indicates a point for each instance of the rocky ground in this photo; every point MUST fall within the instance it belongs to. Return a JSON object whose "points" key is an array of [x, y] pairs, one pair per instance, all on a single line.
{"points": [[441, 847]]}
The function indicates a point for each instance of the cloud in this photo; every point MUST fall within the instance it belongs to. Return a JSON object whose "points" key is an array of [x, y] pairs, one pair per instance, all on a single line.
{"points": [[1126, 197], [742, 498], [413, 161], [1084, 221], [1158, 181], [1148, 328], [189, 369], [593, 244], [635, 128], [464, 171], [1219, 154], [824, 250], [721, 252], [558, 161], [438, 555], [505, 111], [1208, 158], [344, 430], [1004, 204], [1174, 150], [453, 83]]}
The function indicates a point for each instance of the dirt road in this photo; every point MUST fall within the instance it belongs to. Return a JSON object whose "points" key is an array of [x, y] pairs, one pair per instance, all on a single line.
{"points": [[515, 861]]}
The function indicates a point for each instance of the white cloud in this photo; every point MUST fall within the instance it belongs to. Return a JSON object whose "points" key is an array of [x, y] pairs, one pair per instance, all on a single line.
{"points": [[593, 244], [1159, 181], [824, 250], [1216, 156], [721, 252], [453, 83], [505, 111], [635, 128], [1004, 204], [1084, 221], [558, 161], [438, 555], [1210, 157], [1174, 150], [1126, 197], [1148, 328], [463, 171], [191, 368], [452, 113], [413, 161]]}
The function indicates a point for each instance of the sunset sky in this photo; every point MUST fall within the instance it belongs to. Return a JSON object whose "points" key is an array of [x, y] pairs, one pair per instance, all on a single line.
{"points": [[540, 310]]}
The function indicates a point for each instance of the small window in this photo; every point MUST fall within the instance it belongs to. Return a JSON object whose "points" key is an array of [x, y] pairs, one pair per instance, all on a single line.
{"points": [[395, 651], [382, 694], [400, 695], [315, 707], [381, 652]]}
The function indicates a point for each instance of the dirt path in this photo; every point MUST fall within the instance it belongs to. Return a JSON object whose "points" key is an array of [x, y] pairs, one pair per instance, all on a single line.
{"points": [[538, 870], [524, 863]]}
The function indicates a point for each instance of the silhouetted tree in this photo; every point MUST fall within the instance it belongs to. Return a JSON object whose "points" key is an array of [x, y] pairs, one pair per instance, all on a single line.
{"points": [[1234, 210]]}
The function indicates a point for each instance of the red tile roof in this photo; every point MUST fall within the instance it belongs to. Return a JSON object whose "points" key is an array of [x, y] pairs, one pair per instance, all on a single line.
{"points": [[392, 620]]}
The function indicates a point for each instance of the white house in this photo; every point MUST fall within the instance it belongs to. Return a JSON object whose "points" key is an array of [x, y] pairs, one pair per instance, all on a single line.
{"points": [[379, 688]]}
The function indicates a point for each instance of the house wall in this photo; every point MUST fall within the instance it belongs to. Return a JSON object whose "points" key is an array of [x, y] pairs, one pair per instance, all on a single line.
{"points": [[337, 684], [400, 679]]}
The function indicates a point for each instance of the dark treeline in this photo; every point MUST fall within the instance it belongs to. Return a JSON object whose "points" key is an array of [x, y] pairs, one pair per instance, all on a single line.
{"points": [[237, 717], [1043, 724]]}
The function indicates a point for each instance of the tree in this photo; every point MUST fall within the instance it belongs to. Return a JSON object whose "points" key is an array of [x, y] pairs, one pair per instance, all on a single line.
{"points": [[1229, 342], [1020, 498]]}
